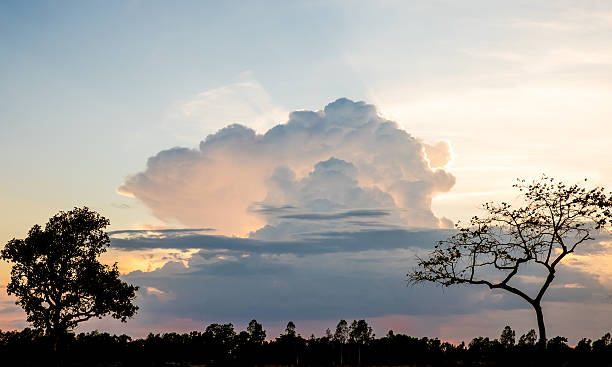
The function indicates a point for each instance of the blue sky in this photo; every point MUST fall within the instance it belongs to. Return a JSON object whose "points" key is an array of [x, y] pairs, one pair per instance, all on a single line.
{"points": [[488, 91]]}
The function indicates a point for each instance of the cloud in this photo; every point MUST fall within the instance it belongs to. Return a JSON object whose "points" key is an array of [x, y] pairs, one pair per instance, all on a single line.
{"points": [[328, 276], [313, 243], [244, 102], [158, 232], [341, 159], [439, 154], [348, 214]]}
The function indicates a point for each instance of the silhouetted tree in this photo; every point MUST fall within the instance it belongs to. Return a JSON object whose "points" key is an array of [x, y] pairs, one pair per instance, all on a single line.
{"points": [[250, 343], [290, 329], [603, 343], [341, 337], [291, 344], [584, 345], [482, 347], [58, 279], [361, 334], [528, 339], [29, 348], [558, 344], [257, 335], [220, 340], [553, 222], [507, 337]]}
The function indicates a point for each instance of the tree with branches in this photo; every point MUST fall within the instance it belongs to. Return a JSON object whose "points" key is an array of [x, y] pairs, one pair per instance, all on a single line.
{"points": [[361, 333], [58, 279], [554, 220], [341, 337]]}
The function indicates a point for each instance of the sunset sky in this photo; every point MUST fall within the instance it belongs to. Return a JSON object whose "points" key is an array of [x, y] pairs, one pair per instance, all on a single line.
{"points": [[287, 160]]}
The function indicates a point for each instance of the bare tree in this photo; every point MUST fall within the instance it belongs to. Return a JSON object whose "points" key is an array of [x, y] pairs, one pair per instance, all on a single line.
{"points": [[554, 220]]}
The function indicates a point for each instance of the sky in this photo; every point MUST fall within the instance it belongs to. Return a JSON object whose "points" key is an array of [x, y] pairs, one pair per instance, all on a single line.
{"points": [[287, 160]]}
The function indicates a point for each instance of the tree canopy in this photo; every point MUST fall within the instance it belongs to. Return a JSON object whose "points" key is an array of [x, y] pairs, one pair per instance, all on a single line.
{"points": [[57, 277], [552, 222]]}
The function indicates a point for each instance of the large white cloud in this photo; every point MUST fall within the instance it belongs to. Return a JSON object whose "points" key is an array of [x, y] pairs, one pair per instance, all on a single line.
{"points": [[341, 160]]}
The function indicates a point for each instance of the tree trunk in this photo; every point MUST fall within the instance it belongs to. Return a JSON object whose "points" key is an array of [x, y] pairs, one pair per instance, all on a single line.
{"points": [[57, 349], [541, 327]]}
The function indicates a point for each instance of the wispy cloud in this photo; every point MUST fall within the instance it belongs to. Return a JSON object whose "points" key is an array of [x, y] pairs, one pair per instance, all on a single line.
{"points": [[243, 102], [348, 214]]}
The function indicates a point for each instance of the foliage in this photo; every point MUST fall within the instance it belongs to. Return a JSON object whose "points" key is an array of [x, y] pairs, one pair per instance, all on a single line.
{"points": [[290, 329], [528, 338], [360, 332], [507, 337], [342, 332], [57, 277], [257, 334]]}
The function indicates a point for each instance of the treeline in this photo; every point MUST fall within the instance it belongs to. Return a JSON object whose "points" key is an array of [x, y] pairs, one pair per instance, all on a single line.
{"points": [[348, 345]]}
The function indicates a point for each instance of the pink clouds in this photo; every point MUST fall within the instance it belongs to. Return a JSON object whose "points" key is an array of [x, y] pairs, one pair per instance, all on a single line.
{"points": [[234, 169]]}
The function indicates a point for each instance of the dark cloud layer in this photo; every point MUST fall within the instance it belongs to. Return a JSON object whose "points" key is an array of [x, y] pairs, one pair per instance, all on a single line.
{"points": [[315, 243], [326, 276]]}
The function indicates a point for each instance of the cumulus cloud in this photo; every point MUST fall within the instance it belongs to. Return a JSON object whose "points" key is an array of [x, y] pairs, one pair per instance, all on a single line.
{"points": [[343, 159], [439, 154]]}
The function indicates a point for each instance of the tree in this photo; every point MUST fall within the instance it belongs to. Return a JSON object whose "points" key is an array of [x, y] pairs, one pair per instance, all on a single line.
{"points": [[292, 341], [257, 335], [220, 341], [341, 337], [507, 337], [290, 329], [58, 279], [328, 334], [361, 334], [528, 339], [554, 220]]}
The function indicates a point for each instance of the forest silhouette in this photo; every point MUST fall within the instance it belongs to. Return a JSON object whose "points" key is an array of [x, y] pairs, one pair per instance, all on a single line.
{"points": [[222, 345]]}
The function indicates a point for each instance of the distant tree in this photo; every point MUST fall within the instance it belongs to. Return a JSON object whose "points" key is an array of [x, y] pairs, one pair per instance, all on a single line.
{"points": [[482, 345], [221, 341], [222, 334], [558, 344], [361, 333], [58, 278], [603, 343], [528, 339], [257, 335], [554, 220], [342, 332], [290, 329], [341, 337], [584, 345], [292, 341], [507, 338], [328, 334]]}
